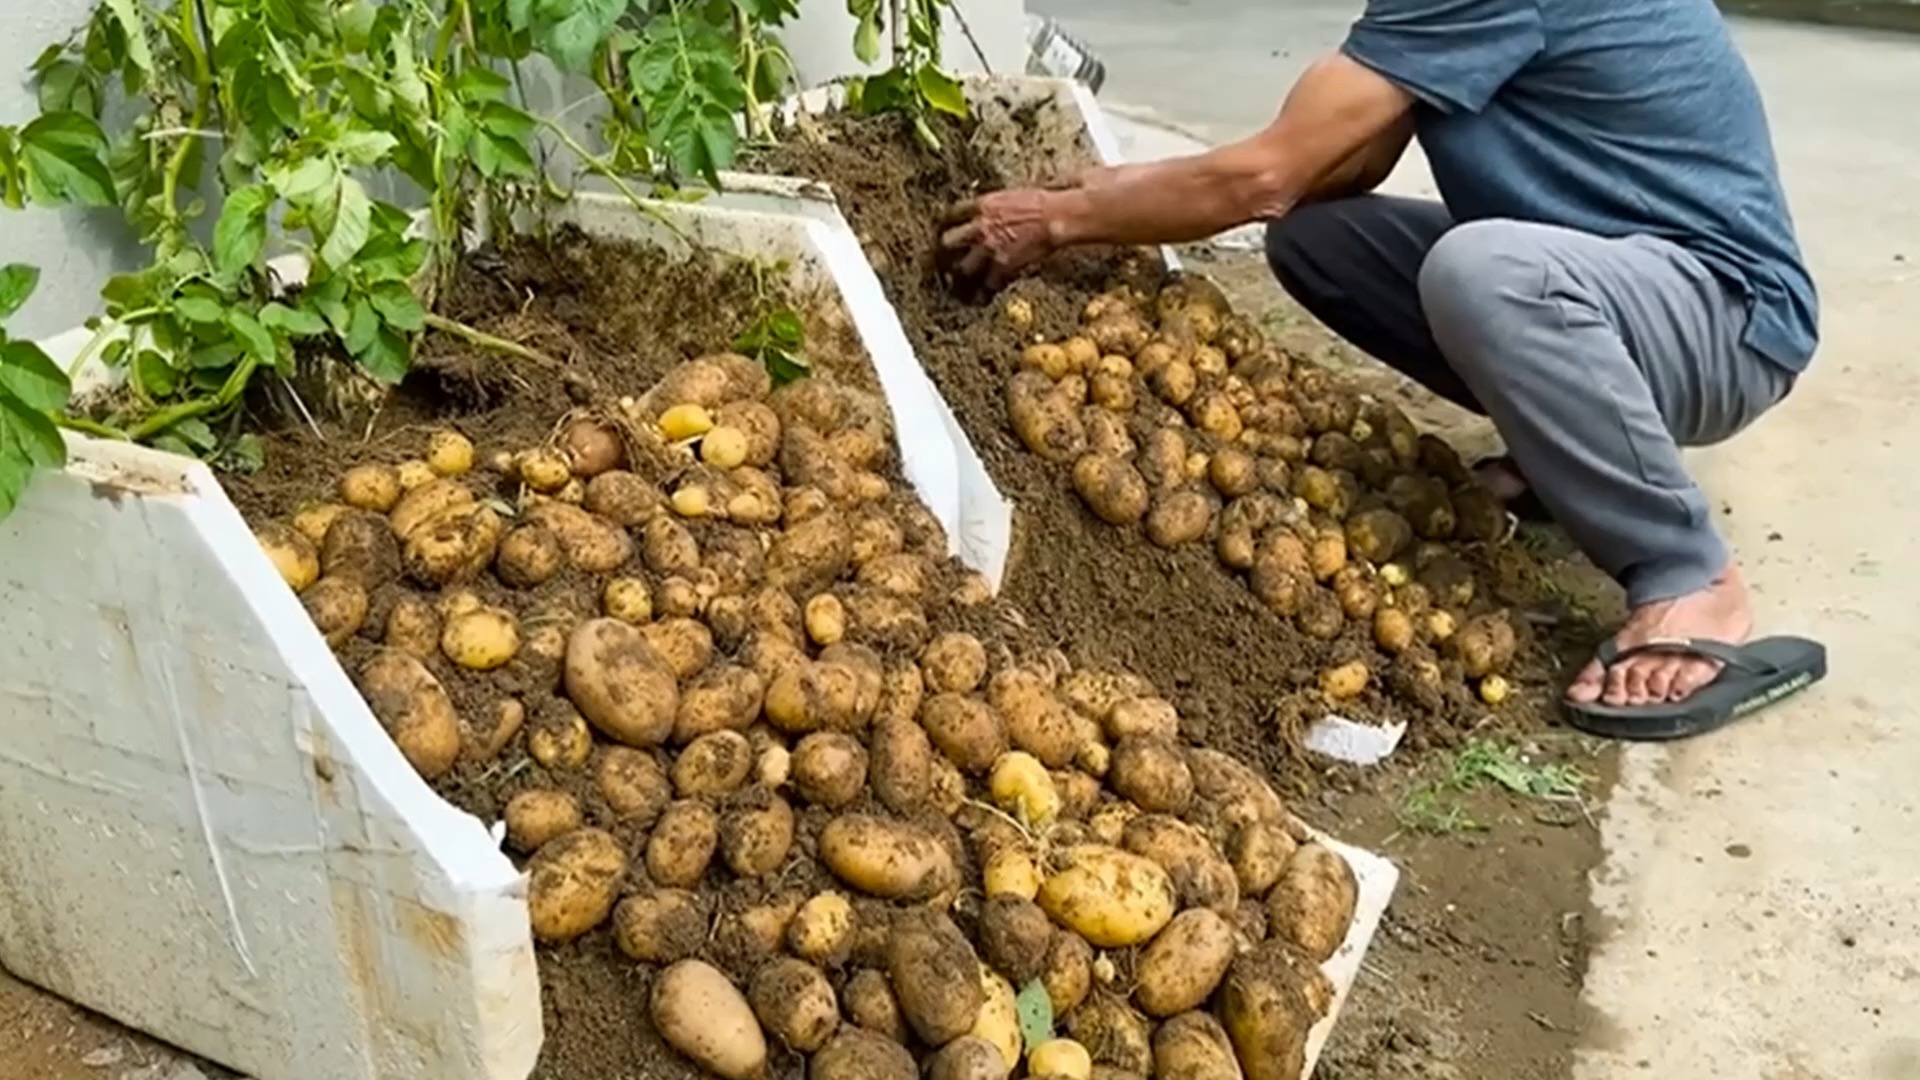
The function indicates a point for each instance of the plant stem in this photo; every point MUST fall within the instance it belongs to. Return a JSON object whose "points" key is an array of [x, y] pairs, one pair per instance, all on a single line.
{"points": [[89, 427], [488, 341], [100, 336], [202, 91], [597, 164]]}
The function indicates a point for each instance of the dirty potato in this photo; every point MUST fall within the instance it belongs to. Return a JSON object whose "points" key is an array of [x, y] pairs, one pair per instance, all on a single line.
{"points": [[572, 882]]}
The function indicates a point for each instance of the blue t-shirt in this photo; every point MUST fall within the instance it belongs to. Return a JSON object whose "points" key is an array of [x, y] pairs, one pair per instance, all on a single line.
{"points": [[1614, 117]]}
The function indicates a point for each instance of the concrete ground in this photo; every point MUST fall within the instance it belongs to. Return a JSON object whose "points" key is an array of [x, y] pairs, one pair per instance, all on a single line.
{"points": [[1763, 885]]}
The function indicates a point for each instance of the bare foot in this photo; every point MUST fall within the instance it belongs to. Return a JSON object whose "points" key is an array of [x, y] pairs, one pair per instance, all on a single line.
{"points": [[1720, 612]]}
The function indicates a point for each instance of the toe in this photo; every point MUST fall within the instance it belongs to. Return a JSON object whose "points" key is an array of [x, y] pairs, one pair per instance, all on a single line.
{"points": [[1616, 691], [1660, 679], [1586, 687], [1637, 672], [1692, 677]]}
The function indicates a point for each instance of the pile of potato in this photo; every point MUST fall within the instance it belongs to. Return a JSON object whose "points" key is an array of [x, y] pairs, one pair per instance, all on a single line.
{"points": [[834, 823], [1174, 416]]}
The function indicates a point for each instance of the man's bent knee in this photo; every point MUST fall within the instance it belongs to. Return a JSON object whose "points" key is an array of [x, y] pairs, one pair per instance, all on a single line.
{"points": [[1293, 242], [1472, 278]]}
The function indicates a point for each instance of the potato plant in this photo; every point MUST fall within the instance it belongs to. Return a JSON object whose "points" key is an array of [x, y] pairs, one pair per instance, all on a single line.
{"points": [[33, 392], [1010, 862], [1171, 414]]}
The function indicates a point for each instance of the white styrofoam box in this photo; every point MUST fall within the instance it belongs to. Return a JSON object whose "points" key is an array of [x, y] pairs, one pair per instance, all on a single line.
{"points": [[1377, 879], [204, 833]]}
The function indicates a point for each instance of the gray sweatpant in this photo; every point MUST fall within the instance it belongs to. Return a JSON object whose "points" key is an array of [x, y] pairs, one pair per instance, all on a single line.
{"points": [[1595, 358]]}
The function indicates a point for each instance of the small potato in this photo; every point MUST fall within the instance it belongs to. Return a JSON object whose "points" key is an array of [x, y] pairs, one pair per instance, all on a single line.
{"points": [[1393, 630], [1319, 615], [489, 736], [529, 556], [900, 768], [966, 730], [682, 844], [795, 1003], [1020, 786], [889, 859], [622, 498], [1179, 517], [1259, 852], [1113, 898], [1011, 871], [542, 470], [1068, 971], [592, 446], [360, 546], [414, 708], [1113, 489], [756, 833], [855, 1053], [1116, 1035], [685, 644], [1278, 578], [1179, 970], [1151, 773], [452, 546], [1494, 689], [633, 783], [1014, 935], [560, 740], [955, 663], [291, 553], [1313, 903], [1044, 419], [723, 698], [659, 926], [1484, 646], [822, 930], [1060, 1057], [1143, 717], [572, 882], [1233, 472], [758, 422], [338, 608], [628, 600], [1119, 332], [968, 1057], [1193, 1046], [829, 769], [370, 487], [1345, 681], [826, 619], [1357, 595], [685, 421], [620, 683], [1174, 381], [481, 640], [999, 1019], [538, 815], [934, 974], [713, 764], [1107, 434], [1048, 360], [1111, 392], [1378, 535], [313, 520], [870, 1004], [1212, 412], [449, 453], [700, 1013], [724, 447]]}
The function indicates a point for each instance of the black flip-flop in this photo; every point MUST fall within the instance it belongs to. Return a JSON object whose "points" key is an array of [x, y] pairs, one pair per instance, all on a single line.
{"points": [[1755, 675]]}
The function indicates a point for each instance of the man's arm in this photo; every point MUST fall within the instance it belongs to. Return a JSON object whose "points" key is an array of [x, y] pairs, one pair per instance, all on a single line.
{"points": [[1368, 167], [1340, 123]]}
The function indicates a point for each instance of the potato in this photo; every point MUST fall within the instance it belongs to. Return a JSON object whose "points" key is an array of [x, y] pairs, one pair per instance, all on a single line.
{"points": [[934, 974], [537, 815], [634, 784], [811, 555], [338, 608], [1113, 898], [686, 645], [1231, 794], [701, 1014], [1319, 614], [1045, 420], [414, 709], [1313, 903], [1107, 434], [1344, 682], [893, 860], [1037, 720], [1067, 971], [1111, 391], [481, 640], [756, 833], [291, 554], [829, 769], [954, 663], [370, 487], [360, 546], [1113, 1033], [1048, 360], [1179, 970], [966, 730], [592, 544], [529, 556], [1151, 773], [1112, 488], [1201, 875], [1436, 456], [1193, 1046], [1259, 852], [453, 546], [858, 1054], [1179, 516], [1265, 1008], [1020, 786], [1212, 412], [795, 1003], [1393, 630], [1144, 717], [724, 698], [805, 696], [1484, 646], [969, 1057], [425, 502], [682, 844], [1378, 535], [998, 1023], [1079, 792], [869, 1003], [713, 764], [1449, 581], [1233, 472], [679, 599], [1356, 594], [493, 730], [1118, 331], [560, 740], [1060, 1057], [620, 683], [1014, 935], [659, 926], [572, 882], [822, 930], [312, 522], [900, 766], [622, 498]]}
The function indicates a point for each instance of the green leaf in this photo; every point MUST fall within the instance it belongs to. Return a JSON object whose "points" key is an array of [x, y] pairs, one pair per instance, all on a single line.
{"points": [[785, 367], [398, 307], [30, 375], [866, 40], [302, 183], [128, 12], [364, 327], [242, 229], [199, 309], [785, 328], [68, 87], [64, 155], [941, 90], [519, 14], [154, 375], [572, 40], [364, 147], [1035, 1009], [293, 322], [352, 221], [481, 85], [28, 434], [195, 433], [386, 358], [17, 282], [252, 336], [215, 358], [244, 455]]}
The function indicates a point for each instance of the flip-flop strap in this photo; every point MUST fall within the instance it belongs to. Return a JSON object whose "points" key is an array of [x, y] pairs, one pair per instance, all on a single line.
{"points": [[1610, 653]]}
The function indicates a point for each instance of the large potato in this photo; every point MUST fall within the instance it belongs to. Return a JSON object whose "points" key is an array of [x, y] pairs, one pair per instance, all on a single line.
{"points": [[660, 926], [427, 501], [1313, 903], [756, 833], [1193, 1046], [1152, 773], [291, 553], [529, 556], [829, 769], [620, 683], [1111, 897], [682, 844], [1143, 717], [633, 783], [810, 556], [1202, 877], [415, 709], [1037, 720], [1184, 963], [1047, 422], [886, 620], [700, 1013], [795, 1003], [893, 860], [856, 1053], [900, 768], [338, 608], [1015, 935], [685, 644], [1378, 535], [623, 499], [723, 698], [1179, 516], [807, 696], [1231, 794], [1259, 852], [954, 663], [713, 764], [537, 815], [965, 729], [1113, 489], [360, 547], [1266, 1007], [1113, 1033], [572, 882], [452, 546], [935, 976], [669, 548]]}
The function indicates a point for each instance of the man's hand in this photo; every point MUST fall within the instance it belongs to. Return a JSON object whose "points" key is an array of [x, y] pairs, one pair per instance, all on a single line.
{"points": [[996, 236]]}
